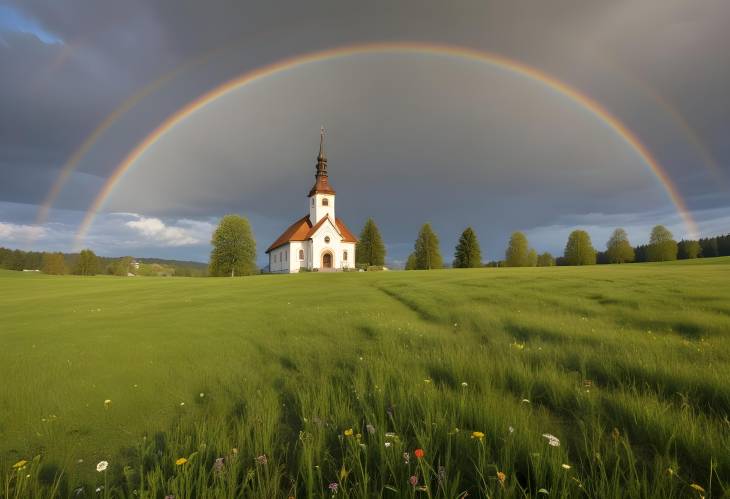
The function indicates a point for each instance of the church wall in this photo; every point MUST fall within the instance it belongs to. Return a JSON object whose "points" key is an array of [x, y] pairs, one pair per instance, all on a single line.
{"points": [[318, 211], [295, 262], [279, 259]]}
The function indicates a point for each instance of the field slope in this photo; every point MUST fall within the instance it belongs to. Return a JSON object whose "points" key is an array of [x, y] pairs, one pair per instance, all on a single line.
{"points": [[604, 381]]}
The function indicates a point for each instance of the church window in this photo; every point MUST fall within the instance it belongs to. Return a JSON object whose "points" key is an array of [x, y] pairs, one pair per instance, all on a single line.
{"points": [[325, 202], [286, 256], [326, 239], [301, 254], [344, 255], [312, 201]]}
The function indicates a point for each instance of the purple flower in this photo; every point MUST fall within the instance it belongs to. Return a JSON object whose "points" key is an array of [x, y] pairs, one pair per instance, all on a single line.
{"points": [[262, 459], [333, 487], [413, 480]]}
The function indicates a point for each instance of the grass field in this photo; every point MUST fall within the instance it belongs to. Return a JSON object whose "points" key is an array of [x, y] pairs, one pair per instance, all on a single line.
{"points": [[316, 385]]}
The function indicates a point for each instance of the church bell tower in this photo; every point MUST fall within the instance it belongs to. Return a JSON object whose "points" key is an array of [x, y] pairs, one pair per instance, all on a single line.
{"points": [[322, 195]]}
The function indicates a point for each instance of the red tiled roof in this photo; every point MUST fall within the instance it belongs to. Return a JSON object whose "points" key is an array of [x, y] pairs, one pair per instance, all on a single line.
{"points": [[296, 232], [302, 230]]}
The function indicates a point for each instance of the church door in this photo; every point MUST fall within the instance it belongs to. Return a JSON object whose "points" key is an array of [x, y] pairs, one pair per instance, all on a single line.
{"points": [[327, 260]]}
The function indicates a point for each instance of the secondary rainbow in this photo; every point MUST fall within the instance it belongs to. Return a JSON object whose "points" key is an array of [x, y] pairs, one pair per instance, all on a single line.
{"points": [[392, 47]]}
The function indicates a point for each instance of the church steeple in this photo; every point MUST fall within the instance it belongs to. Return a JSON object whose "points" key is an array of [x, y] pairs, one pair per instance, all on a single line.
{"points": [[321, 181]]}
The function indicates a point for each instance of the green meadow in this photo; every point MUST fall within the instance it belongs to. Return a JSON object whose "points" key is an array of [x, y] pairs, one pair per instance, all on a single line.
{"points": [[602, 381]]}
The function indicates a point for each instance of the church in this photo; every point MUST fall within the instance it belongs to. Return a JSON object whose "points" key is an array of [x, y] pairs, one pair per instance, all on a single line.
{"points": [[318, 241]]}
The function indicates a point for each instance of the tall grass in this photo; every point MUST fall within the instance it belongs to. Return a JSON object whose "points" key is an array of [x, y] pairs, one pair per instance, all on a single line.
{"points": [[327, 385]]}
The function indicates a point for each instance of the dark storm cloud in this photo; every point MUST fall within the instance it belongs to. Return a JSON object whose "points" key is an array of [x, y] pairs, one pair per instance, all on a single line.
{"points": [[86, 57]]}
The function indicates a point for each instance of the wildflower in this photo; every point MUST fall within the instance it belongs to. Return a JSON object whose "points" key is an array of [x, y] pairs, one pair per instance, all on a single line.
{"points": [[234, 451], [370, 428], [102, 466], [262, 459], [511, 429], [78, 491], [182, 404], [616, 434], [180, 461], [501, 477], [202, 395], [413, 480], [525, 401], [388, 444], [391, 435], [100, 488], [333, 487], [107, 403], [219, 463], [477, 434], [566, 466], [79, 461], [698, 488], [348, 432], [20, 464], [426, 380], [406, 458], [670, 472], [552, 439], [419, 453], [464, 384]]}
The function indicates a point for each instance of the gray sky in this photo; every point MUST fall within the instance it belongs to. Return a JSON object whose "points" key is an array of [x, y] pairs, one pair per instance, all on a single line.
{"points": [[411, 137]]}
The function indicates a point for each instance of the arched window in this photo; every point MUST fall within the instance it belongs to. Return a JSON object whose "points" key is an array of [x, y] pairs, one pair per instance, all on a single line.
{"points": [[344, 256], [325, 202], [301, 254]]}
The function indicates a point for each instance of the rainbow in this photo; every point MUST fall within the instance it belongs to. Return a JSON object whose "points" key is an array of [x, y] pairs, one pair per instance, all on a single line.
{"points": [[391, 47]]}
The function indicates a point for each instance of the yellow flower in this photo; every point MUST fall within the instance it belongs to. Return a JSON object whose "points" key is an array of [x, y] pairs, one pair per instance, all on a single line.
{"points": [[477, 434], [20, 464], [698, 488], [181, 461], [501, 477], [348, 432]]}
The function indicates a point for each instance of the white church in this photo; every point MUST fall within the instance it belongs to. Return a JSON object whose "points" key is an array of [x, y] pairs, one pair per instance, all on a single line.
{"points": [[318, 241]]}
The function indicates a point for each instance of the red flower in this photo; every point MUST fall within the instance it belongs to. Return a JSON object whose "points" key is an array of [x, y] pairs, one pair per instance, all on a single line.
{"points": [[419, 453]]}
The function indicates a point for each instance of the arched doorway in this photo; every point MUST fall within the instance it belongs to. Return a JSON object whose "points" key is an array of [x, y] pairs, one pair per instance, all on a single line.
{"points": [[327, 260]]}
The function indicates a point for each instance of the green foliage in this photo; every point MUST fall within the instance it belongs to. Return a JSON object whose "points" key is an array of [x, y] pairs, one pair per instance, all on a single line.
{"points": [[370, 249], [579, 250], [87, 263], [571, 352], [517, 254], [234, 248], [468, 254], [428, 254], [532, 258], [689, 250], [618, 248], [545, 260], [411, 262], [54, 264], [662, 246]]}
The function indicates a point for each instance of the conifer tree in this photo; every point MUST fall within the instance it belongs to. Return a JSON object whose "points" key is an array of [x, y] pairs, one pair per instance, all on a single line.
{"points": [[468, 254], [411, 262], [428, 254], [234, 248], [370, 249], [579, 250], [618, 248], [517, 251]]}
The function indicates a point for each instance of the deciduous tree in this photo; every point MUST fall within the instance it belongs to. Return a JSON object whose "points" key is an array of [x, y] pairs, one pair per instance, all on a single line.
{"points": [[688, 250], [618, 248], [579, 250], [517, 251], [545, 260], [87, 264], [662, 246], [234, 248], [54, 263], [468, 253]]}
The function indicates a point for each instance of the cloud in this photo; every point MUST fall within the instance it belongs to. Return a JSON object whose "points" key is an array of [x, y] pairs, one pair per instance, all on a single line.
{"points": [[155, 232], [19, 233]]}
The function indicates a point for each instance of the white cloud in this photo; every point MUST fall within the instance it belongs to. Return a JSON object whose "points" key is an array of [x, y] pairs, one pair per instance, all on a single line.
{"points": [[156, 232], [13, 233]]}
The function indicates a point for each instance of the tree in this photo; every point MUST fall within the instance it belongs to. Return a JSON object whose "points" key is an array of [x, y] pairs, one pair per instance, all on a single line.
{"points": [[54, 263], [411, 262], [467, 253], [517, 251], [579, 250], [662, 246], [370, 249], [532, 258], [428, 254], [87, 264], [618, 248], [688, 250], [234, 248], [545, 260]]}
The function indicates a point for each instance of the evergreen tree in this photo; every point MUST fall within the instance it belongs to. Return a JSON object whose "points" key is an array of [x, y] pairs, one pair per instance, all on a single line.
{"points": [[468, 254], [370, 249], [428, 254], [688, 250], [579, 250], [411, 262], [87, 264], [662, 246], [517, 251], [545, 260], [618, 248], [54, 263], [234, 248]]}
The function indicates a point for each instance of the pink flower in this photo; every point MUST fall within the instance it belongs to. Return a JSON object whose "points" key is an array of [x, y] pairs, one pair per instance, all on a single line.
{"points": [[413, 480]]}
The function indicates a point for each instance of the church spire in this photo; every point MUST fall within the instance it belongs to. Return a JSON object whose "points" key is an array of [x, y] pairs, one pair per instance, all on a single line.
{"points": [[321, 158]]}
